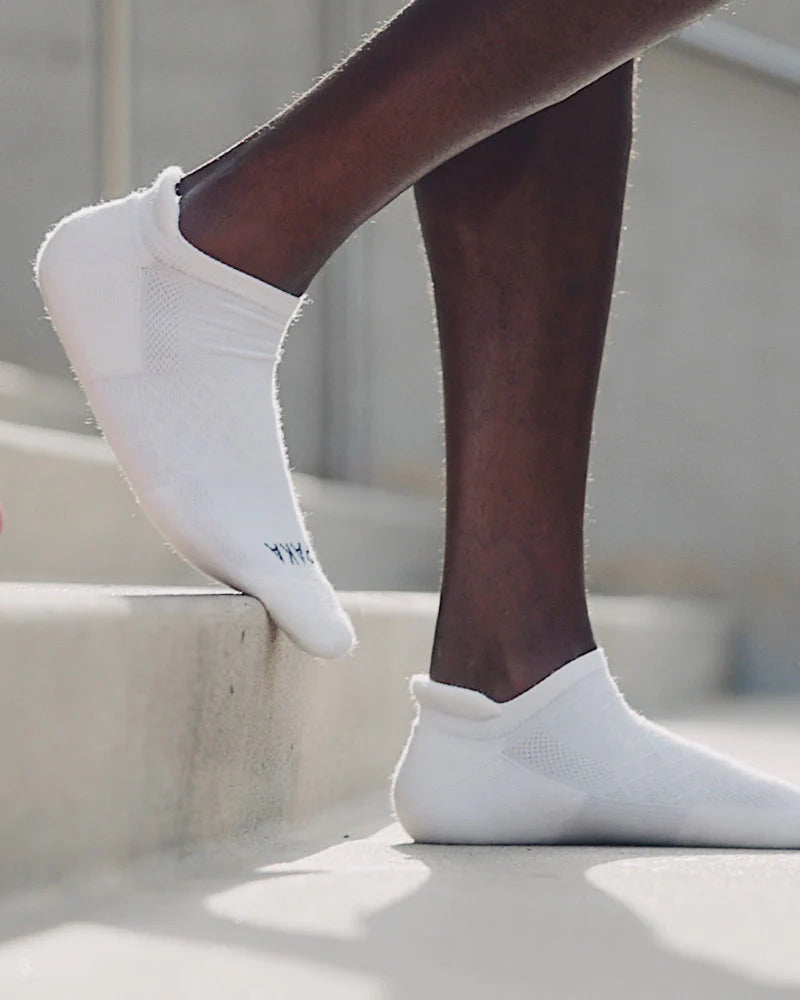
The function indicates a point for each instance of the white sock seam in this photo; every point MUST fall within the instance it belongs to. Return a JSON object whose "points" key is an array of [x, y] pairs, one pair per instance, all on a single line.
{"points": [[161, 232], [468, 714]]}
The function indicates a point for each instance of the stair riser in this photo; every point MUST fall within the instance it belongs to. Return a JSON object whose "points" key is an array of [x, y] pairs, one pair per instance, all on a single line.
{"points": [[136, 724]]}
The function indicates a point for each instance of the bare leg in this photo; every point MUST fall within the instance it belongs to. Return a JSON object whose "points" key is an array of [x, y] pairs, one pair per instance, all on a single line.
{"points": [[521, 233], [546, 199], [440, 77]]}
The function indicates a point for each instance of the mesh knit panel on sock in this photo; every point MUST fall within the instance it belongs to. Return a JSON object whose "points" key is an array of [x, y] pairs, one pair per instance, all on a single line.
{"points": [[546, 754], [624, 758], [161, 298], [569, 762]]}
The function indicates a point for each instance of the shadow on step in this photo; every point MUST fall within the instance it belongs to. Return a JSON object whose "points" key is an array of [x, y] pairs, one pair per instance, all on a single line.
{"points": [[373, 918]]}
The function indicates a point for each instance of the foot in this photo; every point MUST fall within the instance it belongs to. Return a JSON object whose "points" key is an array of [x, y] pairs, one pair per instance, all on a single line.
{"points": [[177, 354], [570, 762]]}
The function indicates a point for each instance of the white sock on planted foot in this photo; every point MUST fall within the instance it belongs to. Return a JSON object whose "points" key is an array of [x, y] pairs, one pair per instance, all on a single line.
{"points": [[570, 762], [177, 354]]}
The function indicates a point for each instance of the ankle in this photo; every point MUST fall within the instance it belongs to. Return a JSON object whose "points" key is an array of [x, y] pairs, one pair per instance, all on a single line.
{"points": [[502, 670], [216, 219]]}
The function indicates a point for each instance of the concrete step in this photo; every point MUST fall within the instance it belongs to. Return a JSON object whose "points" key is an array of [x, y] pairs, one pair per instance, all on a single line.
{"points": [[29, 397], [349, 910], [70, 516], [136, 720]]}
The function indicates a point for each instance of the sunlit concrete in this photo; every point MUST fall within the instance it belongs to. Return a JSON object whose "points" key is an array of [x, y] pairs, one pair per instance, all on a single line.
{"points": [[352, 910]]}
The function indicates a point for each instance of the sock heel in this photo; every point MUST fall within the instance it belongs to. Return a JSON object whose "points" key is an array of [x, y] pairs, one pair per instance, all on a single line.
{"points": [[454, 790], [75, 264]]}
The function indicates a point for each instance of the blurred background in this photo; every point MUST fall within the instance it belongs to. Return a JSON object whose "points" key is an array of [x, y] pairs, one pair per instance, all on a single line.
{"points": [[696, 471]]}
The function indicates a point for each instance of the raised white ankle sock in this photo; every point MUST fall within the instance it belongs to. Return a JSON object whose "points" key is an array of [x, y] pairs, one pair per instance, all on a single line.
{"points": [[177, 354], [570, 762]]}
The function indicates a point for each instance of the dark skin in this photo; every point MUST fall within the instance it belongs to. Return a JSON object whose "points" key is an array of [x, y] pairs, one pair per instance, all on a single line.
{"points": [[522, 233], [520, 193]]}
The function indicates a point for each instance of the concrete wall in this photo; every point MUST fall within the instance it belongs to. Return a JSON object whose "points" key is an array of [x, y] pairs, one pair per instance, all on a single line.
{"points": [[697, 480], [696, 483], [47, 154]]}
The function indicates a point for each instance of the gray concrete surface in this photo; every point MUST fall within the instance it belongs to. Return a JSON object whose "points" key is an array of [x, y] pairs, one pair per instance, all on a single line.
{"points": [[349, 910], [30, 397], [138, 720], [777, 19], [70, 516], [666, 653], [696, 483]]}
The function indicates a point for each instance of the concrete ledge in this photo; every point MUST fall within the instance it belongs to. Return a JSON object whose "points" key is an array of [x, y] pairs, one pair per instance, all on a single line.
{"points": [[70, 516], [667, 653], [28, 397], [370, 539], [141, 720]]}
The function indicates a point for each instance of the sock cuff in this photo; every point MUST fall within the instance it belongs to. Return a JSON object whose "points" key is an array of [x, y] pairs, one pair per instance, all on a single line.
{"points": [[464, 705], [160, 230]]}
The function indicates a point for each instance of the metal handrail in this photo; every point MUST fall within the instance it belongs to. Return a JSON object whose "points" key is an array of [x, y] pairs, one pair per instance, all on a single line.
{"points": [[744, 49]]}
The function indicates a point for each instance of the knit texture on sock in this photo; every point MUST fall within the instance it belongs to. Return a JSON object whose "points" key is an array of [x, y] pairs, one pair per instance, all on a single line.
{"points": [[178, 356], [570, 762]]}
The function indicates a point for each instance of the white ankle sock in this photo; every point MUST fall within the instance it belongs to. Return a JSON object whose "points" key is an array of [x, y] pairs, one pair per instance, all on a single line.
{"points": [[570, 762], [177, 354]]}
